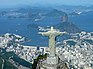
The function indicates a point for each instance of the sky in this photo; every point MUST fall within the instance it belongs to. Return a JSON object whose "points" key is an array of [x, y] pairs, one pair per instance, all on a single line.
{"points": [[11, 3]]}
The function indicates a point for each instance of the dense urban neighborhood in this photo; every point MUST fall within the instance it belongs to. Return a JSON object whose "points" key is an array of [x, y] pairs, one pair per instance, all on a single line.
{"points": [[76, 51]]}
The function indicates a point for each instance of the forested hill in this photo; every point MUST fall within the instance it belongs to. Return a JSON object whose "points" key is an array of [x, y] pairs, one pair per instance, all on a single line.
{"points": [[9, 60], [68, 27]]}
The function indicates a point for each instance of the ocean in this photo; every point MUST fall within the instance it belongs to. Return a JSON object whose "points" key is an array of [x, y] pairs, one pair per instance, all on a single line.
{"points": [[84, 21], [19, 26]]}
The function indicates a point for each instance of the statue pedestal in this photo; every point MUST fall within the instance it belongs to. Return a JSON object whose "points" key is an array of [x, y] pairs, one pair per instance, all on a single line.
{"points": [[52, 60], [59, 65], [52, 63]]}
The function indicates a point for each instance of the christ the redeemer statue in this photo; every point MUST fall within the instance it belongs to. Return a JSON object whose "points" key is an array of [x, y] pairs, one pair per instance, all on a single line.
{"points": [[52, 34]]}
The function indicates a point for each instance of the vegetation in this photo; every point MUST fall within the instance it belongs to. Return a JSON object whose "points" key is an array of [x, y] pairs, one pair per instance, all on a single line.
{"points": [[8, 65], [1, 61], [4, 56], [21, 61], [40, 57]]}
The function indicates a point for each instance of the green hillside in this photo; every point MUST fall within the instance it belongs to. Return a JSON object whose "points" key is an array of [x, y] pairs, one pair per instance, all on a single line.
{"points": [[5, 60]]}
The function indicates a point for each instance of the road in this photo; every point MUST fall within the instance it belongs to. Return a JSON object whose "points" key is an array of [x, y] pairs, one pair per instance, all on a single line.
{"points": [[3, 63]]}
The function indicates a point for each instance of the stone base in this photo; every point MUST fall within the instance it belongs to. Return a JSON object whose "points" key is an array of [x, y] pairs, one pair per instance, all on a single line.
{"points": [[52, 60], [53, 66], [52, 63]]}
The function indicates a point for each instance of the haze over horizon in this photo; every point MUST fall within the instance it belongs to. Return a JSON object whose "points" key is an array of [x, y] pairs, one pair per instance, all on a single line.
{"points": [[11, 3]]}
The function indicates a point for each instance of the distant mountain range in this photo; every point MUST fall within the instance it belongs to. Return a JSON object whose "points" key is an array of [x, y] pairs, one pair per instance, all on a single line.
{"points": [[56, 18]]}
